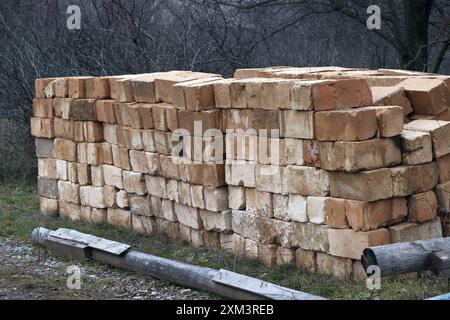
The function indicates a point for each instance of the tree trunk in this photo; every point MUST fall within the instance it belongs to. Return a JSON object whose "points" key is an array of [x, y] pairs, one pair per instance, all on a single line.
{"points": [[414, 51]]}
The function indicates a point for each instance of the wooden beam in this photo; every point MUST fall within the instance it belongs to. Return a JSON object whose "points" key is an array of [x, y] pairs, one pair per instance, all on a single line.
{"points": [[402, 258]]}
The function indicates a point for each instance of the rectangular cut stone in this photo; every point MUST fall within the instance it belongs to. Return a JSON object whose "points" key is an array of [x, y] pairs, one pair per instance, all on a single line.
{"points": [[134, 182], [443, 196], [408, 232], [297, 124], [390, 120], [307, 181], [357, 156], [427, 96], [236, 198], [216, 221], [189, 216], [42, 128], [391, 96], [69, 192], [417, 147], [440, 133], [422, 207], [92, 197], [444, 168], [351, 244], [119, 218], [345, 125], [48, 188], [360, 186]]}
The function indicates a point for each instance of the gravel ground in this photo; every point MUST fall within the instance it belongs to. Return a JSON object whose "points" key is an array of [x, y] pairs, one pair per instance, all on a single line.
{"points": [[28, 272]]}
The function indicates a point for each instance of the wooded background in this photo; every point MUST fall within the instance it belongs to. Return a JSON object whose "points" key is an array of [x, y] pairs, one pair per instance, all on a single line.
{"points": [[139, 36]]}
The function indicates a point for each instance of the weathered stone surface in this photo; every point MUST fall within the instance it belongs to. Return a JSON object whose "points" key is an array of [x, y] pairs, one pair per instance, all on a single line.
{"points": [[414, 179], [113, 176], [156, 186], [242, 175], [350, 244], [267, 254], [317, 209], [281, 207], [82, 110], [427, 96], [47, 168], [440, 133], [359, 186], [390, 120], [48, 206], [119, 218], [356, 156], [444, 168], [92, 197], [416, 147], [422, 207], [297, 208], [236, 198], [134, 182], [189, 216], [139, 205], [168, 210], [408, 232], [42, 128], [306, 259], [69, 211], [48, 188], [216, 199], [391, 96], [142, 224], [44, 148], [245, 224], [264, 207], [216, 221], [293, 151], [340, 268], [197, 198], [297, 124], [270, 178], [309, 236], [285, 256], [307, 181], [443, 196], [123, 199], [69, 192], [222, 93], [172, 190], [345, 125]]}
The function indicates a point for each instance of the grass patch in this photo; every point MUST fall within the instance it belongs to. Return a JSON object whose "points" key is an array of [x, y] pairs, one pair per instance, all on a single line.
{"points": [[19, 206]]}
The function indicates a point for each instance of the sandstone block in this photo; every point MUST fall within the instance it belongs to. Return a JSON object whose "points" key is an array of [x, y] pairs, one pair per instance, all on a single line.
{"points": [[69, 192], [359, 186], [47, 168], [236, 198], [119, 218], [307, 181], [427, 96], [444, 168], [134, 182], [43, 108], [408, 232], [113, 176], [48, 207], [44, 148], [48, 188], [42, 128], [156, 186], [92, 197], [297, 208], [417, 147], [362, 155], [306, 259], [340, 268], [297, 124], [216, 221], [422, 207], [123, 199], [345, 125], [189, 216], [443, 196], [350, 244], [142, 224], [391, 96], [439, 130]]}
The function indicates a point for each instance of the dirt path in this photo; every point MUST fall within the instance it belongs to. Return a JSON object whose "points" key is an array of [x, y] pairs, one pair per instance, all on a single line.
{"points": [[28, 272]]}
